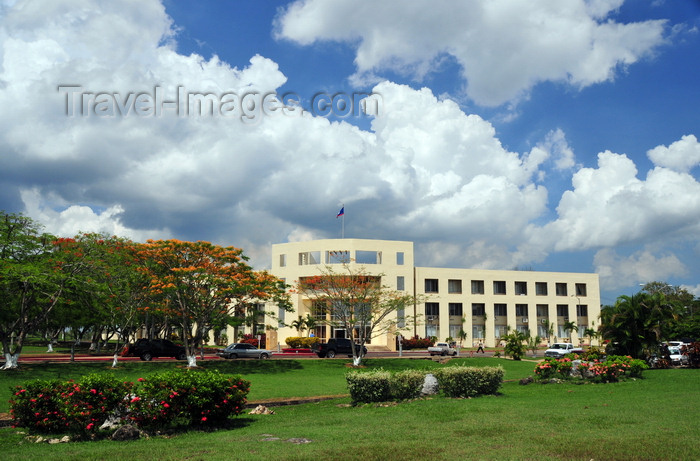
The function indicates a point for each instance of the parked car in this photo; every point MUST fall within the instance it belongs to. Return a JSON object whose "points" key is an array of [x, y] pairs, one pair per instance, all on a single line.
{"points": [[677, 357], [336, 346], [243, 350], [442, 349], [559, 350], [146, 349]]}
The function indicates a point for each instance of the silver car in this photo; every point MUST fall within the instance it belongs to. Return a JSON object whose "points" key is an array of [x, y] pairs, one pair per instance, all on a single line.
{"points": [[243, 350]]}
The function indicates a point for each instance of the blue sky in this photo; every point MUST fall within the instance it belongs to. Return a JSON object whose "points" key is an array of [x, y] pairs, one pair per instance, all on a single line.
{"points": [[557, 136]]}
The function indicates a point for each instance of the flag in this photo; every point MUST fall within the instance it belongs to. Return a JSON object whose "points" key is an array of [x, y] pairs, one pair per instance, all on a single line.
{"points": [[340, 213]]}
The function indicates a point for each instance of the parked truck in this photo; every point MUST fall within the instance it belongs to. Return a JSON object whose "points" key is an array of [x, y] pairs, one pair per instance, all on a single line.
{"points": [[559, 350], [442, 349]]}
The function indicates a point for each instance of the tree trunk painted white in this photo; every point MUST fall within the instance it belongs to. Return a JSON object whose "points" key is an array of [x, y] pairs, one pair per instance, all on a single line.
{"points": [[115, 360], [10, 361], [191, 361], [356, 361], [50, 349]]}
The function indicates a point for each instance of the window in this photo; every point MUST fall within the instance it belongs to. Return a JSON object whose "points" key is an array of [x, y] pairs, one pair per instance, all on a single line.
{"points": [[541, 288], [477, 287], [478, 331], [561, 289], [580, 289], [401, 318], [542, 310], [562, 333], [280, 316], [400, 283], [309, 257], [521, 310], [432, 309], [454, 286], [520, 288], [542, 331], [499, 287], [500, 331], [454, 330], [283, 260], [455, 309], [562, 310], [431, 285], [500, 310], [368, 257], [478, 309], [582, 310], [399, 258], [337, 257], [523, 329]]}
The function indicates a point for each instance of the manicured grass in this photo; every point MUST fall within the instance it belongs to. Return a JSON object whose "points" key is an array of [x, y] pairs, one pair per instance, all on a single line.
{"points": [[654, 418]]}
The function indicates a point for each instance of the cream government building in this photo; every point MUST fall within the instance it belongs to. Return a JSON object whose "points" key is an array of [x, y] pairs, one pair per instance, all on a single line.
{"points": [[482, 303]]}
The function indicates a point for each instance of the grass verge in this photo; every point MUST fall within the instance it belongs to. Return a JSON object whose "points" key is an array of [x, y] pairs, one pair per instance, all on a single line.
{"points": [[648, 419]]}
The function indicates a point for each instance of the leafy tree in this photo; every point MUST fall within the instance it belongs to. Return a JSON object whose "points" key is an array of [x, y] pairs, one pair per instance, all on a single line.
{"points": [[687, 322], [33, 278], [636, 324], [199, 283], [357, 302], [516, 344]]}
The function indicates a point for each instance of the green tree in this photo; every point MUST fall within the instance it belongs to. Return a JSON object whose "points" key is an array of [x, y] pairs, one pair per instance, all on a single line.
{"points": [[358, 303], [33, 278], [516, 344], [636, 324], [569, 327], [299, 324]]}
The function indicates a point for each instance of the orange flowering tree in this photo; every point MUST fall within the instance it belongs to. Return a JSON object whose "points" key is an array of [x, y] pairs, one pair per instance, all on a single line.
{"points": [[198, 284], [357, 302]]}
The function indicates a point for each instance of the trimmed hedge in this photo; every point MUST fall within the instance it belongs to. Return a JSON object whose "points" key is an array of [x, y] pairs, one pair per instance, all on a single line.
{"points": [[302, 342], [469, 381], [380, 386]]}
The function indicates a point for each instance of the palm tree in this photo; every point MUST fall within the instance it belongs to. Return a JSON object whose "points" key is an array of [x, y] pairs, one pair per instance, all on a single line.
{"points": [[569, 327], [299, 325], [636, 324], [311, 323]]}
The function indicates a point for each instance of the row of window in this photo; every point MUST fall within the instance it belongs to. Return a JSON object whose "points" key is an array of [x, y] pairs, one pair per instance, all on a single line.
{"points": [[501, 310], [499, 287], [307, 258]]}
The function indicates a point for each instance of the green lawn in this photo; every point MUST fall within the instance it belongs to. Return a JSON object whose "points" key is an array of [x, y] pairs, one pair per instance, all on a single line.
{"points": [[656, 418]]}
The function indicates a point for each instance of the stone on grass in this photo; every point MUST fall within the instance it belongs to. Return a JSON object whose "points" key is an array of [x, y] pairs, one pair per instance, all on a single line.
{"points": [[430, 385]]}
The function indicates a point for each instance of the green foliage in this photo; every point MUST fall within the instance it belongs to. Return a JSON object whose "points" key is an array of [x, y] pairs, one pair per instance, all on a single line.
{"points": [[516, 344], [194, 397], [165, 400], [78, 407], [612, 369], [369, 386], [469, 381], [406, 384]]}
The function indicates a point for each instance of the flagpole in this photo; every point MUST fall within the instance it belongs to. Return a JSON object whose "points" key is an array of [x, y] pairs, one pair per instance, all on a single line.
{"points": [[342, 234]]}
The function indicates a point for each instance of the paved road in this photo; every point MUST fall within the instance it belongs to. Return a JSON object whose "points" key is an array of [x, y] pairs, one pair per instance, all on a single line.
{"points": [[62, 357]]}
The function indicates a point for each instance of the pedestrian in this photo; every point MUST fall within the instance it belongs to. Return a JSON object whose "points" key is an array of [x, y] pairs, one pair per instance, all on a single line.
{"points": [[481, 347]]}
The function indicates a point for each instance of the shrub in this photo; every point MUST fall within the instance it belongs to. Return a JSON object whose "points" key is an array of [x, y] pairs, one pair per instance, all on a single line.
{"points": [[418, 343], [190, 397], [469, 381], [406, 384], [294, 341], [369, 386], [612, 369], [79, 407], [164, 400]]}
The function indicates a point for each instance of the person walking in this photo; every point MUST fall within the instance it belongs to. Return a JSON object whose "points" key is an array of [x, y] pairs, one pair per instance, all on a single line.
{"points": [[481, 347]]}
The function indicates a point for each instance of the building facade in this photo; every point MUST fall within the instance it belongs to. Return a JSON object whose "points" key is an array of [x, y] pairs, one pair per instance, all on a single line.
{"points": [[484, 304]]}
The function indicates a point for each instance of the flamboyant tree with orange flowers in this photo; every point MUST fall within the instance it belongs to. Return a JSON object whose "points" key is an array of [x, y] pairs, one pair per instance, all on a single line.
{"points": [[198, 284], [358, 302]]}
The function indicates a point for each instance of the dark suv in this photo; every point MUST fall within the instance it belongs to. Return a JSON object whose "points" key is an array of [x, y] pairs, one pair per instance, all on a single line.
{"points": [[336, 346], [149, 348]]}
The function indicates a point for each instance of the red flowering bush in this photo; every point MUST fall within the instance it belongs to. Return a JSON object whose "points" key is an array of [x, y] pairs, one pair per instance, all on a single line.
{"points": [[164, 400], [417, 343], [79, 407], [554, 368], [191, 397]]}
